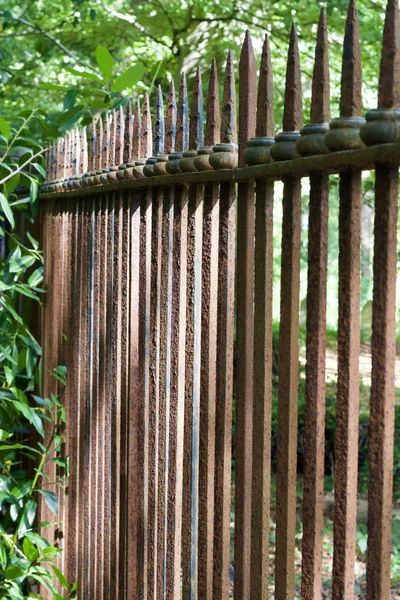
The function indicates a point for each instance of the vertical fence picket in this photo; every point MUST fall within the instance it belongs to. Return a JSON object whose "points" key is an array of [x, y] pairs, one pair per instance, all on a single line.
{"points": [[245, 328], [208, 354], [262, 407], [314, 419], [347, 405], [383, 346], [288, 334], [225, 338]]}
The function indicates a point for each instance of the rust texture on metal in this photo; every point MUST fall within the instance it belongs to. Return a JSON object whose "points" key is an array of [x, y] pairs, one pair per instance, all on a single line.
{"points": [[347, 402], [119, 136], [228, 120], [314, 420], [245, 330], [350, 96], [192, 395], [208, 390], [106, 142], [288, 391], [128, 134], [320, 97], [213, 124], [159, 124], [382, 417], [144, 370], [146, 138], [113, 137], [389, 80], [262, 402], [247, 101], [182, 120], [135, 443], [293, 111], [93, 146], [164, 383], [265, 124], [383, 345], [170, 122], [137, 133], [154, 390], [177, 397], [99, 144], [196, 124], [224, 390], [288, 345]]}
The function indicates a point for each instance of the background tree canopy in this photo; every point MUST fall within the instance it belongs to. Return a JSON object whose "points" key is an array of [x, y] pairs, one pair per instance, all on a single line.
{"points": [[48, 49]]}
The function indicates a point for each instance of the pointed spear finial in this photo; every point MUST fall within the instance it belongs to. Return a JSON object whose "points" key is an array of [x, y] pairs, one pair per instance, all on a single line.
{"points": [[106, 142], [147, 136], [65, 153], [320, 100], [213, 132], [119, 136], [389, 80], [293, 111], [60, 159], [128, 133], [92, 146], [196, 114], [84, 152], [113, 132], [159, 125], [77, 152], [137, 133], [247, 96], [170, 124], [99, 144], [351, 100], [228, 125], [182, 121], [265, 125]]}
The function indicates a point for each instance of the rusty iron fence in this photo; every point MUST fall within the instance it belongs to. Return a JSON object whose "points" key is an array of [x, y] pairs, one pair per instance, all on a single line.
{"points": [[159, 261]]}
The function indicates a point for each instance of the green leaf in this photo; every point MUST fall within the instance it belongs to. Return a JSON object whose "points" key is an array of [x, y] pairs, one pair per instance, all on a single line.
{"points": [[105, 62], [39, 169], [40, 542], [70, 99], [53, 86], [14, 572], [5, 128], [6, 208], [4, 435], [27, 518], [128, 78], [37, 423], [29, 549], [61, 578], [51, 501], [85, 74], [9, 377]]}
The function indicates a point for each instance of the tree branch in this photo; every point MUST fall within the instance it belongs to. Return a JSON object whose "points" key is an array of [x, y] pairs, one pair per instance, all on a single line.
{"points": [[52, 39]]}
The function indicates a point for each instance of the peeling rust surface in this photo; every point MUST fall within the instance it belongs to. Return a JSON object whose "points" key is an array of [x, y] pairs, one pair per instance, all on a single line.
{"points": [[213, 125], [288, 391], [146, 143], [350, 98], [170, 123], [389, 81], [262, 406], [128, 134], [382, 417], [182, 121], [228, 121], [347, 402], [247, 96], [137, 133], [293, 111], [159, 124], [196, 136], [320, 102], [314, 419], [265, 125]]}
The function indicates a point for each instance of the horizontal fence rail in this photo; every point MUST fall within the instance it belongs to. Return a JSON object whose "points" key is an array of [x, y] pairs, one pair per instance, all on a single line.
{"points": [[158, 238]]}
